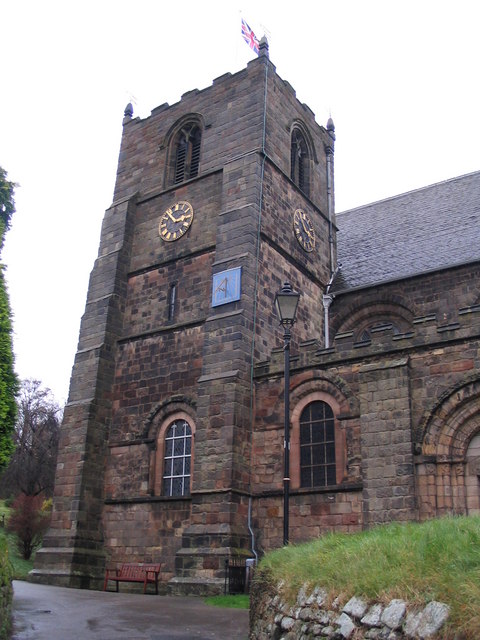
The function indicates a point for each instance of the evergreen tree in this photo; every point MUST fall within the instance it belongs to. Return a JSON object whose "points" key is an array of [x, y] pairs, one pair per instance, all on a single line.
{"points": [[8, 379]]}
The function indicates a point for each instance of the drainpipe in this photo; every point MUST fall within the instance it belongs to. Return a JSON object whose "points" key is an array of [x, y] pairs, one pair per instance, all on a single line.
{"points": [[327, 301], [252, 535], [328, 298], [330, 189]]}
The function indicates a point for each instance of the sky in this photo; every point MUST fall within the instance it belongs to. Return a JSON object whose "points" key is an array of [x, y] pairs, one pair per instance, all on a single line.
{"points": [[399, 79]]}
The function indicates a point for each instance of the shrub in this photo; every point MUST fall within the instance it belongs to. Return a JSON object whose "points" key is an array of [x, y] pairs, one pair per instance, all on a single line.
{"points": [[47, 506], [6, 592], [28, 523]]}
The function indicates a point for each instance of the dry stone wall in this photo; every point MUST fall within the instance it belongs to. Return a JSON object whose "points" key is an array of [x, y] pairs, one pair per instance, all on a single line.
{"points": [[314, 616]]}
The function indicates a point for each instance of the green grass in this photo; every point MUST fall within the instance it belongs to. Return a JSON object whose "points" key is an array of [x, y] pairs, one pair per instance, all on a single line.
{"points": [[20, 566], [240, 601], [435, 560]]}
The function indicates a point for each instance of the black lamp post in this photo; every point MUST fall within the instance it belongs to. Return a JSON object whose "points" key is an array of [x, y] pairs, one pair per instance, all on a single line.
{"points": [[286, 302]]}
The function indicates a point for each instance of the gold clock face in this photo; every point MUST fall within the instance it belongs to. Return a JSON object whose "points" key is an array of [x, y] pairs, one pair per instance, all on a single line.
{"points": [[176, 221], [304, 231]]}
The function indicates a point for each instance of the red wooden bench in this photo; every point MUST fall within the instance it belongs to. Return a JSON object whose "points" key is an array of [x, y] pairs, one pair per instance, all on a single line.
{"points": [[134, 572]]}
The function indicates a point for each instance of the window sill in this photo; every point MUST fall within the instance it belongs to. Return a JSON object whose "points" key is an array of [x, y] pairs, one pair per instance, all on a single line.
{"points": [[297, 491], [333, 488], [146, 499]]}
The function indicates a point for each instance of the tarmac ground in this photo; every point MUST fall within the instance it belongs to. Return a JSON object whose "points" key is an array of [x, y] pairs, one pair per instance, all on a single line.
{"points": [[42, 612]]}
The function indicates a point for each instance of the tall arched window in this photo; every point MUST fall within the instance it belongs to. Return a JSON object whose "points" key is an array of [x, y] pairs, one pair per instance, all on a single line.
{"points": [[177, 459], [317, 446], [299, 168], [186, 152]]}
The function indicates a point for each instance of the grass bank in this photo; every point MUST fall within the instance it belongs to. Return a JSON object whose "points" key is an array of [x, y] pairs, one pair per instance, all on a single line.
{"points": [[435, 560]]}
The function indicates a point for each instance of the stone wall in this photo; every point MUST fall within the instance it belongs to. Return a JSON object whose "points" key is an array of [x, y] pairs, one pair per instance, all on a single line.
{"points": [[405, 407], [315, 615]]}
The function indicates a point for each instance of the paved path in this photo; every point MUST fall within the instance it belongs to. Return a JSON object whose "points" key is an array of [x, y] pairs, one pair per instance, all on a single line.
{"points": [[42, 612]]}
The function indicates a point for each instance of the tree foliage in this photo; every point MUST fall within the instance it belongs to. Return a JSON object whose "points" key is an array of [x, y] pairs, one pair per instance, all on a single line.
{"points": [[32, 467], [7, 203], [8, 379]]}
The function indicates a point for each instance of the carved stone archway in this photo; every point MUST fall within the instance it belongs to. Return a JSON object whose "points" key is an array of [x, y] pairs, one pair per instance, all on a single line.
{"points": [[472, 476], [448, 467]]}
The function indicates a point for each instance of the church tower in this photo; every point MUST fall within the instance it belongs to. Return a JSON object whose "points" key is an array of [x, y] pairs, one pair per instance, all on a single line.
{"points": [[219, 200]]}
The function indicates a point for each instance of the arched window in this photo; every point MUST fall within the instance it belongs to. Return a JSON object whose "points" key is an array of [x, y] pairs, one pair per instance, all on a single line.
{"points": [[177, 459], [317, 446], [186, 152], [299, 167]]}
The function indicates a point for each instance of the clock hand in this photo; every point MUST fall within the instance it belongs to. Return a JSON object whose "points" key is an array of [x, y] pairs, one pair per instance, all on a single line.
{"points": [[306, 229]]}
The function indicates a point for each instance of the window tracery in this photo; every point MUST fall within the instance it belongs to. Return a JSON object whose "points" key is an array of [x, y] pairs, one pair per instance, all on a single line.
{"points": [[177, 459], [185, 152], [300, 161], [317, 446]]}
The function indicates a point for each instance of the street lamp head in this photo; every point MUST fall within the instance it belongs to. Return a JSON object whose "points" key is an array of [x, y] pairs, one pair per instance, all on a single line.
{"points": [[286, 303]]}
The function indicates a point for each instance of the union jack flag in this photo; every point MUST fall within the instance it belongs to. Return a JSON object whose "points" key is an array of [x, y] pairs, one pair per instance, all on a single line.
{"points": [[249, 37]]}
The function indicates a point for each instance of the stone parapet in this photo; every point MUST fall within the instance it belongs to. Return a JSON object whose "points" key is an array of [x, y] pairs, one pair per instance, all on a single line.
{"points": [[426, 331]]}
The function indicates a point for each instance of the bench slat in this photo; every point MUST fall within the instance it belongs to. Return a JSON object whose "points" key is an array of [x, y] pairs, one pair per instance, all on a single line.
{"points": [[134, 572]]}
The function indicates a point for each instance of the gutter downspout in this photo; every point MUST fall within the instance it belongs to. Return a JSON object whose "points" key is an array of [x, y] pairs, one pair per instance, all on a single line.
{"points": [[250, 530], [327, 298], [327, 301]]}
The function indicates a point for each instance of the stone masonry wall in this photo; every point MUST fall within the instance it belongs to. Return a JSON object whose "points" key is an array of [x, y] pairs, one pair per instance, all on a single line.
{"points": [[387, 452], [315, 615], [149, 530], [395, 392], [72, 552]]}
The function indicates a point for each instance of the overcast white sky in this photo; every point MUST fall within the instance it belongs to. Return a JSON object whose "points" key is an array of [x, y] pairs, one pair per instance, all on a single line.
{"points": [[399, 78]]}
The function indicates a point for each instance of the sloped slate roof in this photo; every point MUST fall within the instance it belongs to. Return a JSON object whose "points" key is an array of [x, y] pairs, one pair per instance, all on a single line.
{"points": [[432, 228]]}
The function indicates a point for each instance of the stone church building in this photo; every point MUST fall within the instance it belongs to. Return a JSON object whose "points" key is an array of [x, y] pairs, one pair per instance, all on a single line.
{"points": [[172, 442]]}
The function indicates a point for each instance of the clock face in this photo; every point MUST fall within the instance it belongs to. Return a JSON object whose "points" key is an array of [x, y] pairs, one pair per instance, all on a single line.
{"points": [[176, 221], [304, 231]]}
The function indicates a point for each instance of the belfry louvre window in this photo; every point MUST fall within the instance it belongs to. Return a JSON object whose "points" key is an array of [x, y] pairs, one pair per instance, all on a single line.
{"points": [[187, 153], [299, 168], [177, 459], [317, 445]]}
